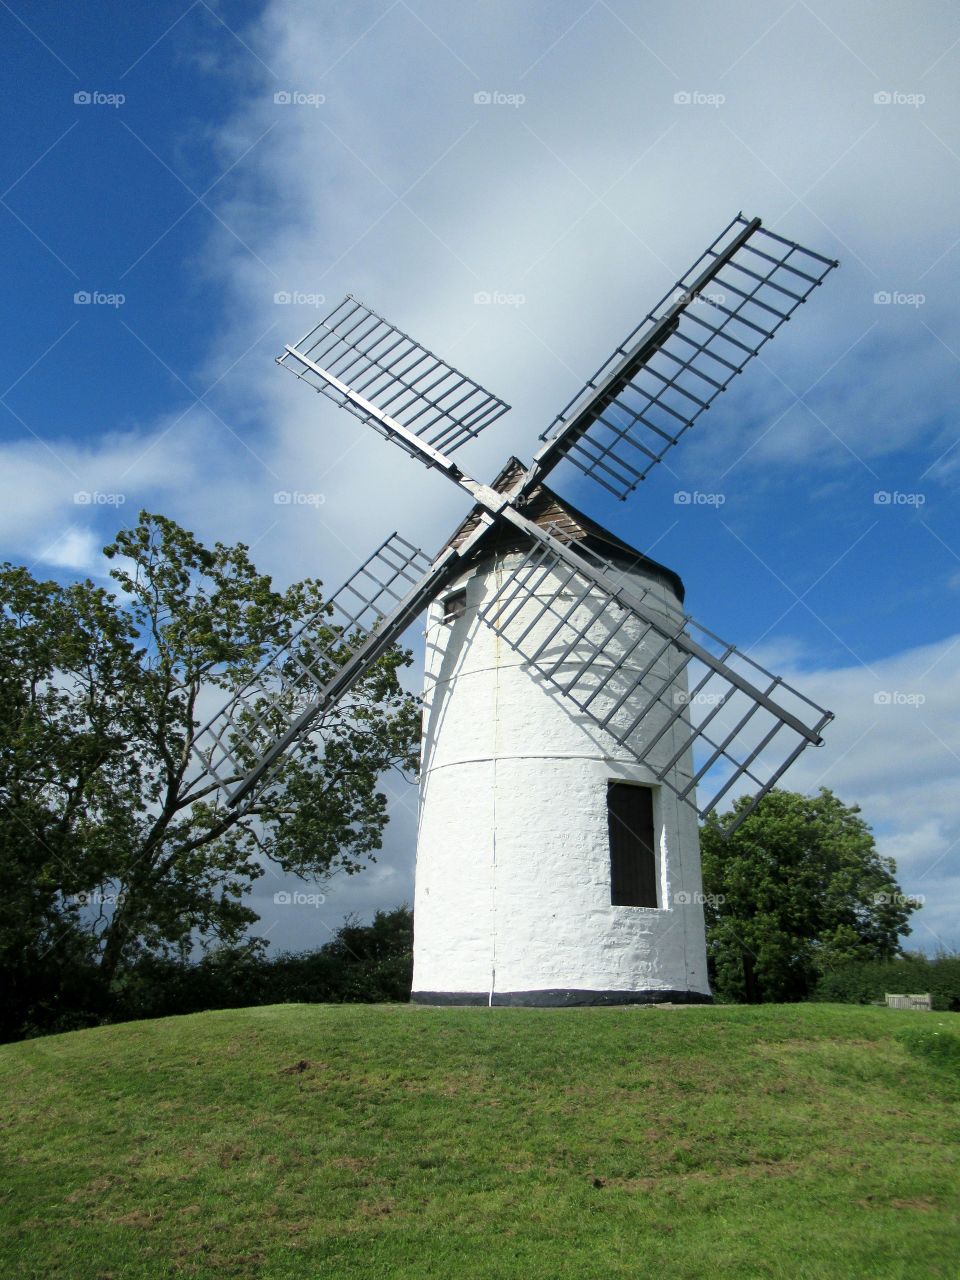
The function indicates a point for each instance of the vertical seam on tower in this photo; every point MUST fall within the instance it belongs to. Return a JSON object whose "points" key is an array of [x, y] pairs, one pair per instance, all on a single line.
{"points": [[497, 569], [684, 874]]}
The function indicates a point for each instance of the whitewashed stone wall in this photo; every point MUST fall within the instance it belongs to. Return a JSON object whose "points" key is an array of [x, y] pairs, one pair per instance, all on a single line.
{"points": [[513, 858]]}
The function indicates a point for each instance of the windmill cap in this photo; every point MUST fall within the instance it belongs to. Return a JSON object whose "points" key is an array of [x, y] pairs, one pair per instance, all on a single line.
{"points": [[547, 509]]}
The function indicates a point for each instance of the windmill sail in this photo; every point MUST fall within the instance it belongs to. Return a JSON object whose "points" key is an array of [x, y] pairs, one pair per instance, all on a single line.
{"points": [[687, 350], [284, 699], [625, 660], [365, 364]]}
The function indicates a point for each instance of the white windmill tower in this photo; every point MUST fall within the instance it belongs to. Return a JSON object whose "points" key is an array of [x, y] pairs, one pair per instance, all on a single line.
{"points": [[552, 866], [573, 713]]}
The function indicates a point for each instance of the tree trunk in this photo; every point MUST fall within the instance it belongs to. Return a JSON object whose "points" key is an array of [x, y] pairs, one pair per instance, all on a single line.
{"points": [[116, 936], [751, 984]]}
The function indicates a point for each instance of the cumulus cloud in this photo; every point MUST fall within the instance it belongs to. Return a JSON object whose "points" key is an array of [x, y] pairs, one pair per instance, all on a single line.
{"points": [[75, 549], [894, 749]]}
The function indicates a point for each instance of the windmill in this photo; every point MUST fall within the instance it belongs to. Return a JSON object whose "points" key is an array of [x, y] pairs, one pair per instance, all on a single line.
{"points": [[576, 720]]}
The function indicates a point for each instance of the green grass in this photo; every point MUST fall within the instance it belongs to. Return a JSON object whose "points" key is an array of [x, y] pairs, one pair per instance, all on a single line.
{"points": [[445, 1144]]}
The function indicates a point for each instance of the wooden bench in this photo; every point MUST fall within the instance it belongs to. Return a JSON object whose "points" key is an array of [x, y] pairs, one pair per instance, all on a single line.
{"points": [[910, 1002]]}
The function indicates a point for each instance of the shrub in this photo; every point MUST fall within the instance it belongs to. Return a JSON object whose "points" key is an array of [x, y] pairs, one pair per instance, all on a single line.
{"points": [[360, 964], [862, 982]]}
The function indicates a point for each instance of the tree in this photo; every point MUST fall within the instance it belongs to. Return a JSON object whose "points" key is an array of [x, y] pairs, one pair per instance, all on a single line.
{"points": [[56, 747], [113, 840], [798, 888], [375, 959]]}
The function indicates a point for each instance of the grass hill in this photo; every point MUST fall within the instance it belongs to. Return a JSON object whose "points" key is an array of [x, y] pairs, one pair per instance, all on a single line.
{"points": [[394, 1141]]}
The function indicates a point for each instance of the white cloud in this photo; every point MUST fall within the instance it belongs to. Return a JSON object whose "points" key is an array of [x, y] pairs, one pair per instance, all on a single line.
{"points": [[894, 749], [84, 487], [75, 549]]}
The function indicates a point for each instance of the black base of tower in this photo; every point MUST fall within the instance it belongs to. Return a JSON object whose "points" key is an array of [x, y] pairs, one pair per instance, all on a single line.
{"points": [[557, 998]]}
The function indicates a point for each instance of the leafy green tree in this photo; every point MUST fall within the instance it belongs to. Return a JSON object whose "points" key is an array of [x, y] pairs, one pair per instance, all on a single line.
{"points": [[376, 959], [57, 747], [797, 889], [113, 842]]}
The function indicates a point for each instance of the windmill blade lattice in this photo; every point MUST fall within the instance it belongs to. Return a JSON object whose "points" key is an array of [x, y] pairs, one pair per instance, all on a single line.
{"points": [[353, 349], [622, 660], [284, 698], [687, 350]]}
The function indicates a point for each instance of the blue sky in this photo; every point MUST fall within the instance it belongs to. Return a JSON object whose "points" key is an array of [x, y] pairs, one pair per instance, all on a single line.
{"points": [[581, 192]]}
